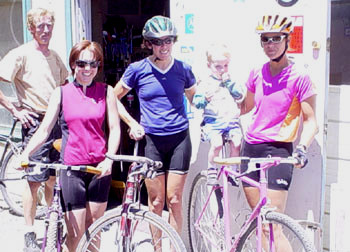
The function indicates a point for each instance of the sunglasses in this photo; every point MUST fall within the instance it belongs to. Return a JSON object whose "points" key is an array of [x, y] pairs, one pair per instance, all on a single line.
{"points": [[83, 63], [274, 39], [160, 42]]}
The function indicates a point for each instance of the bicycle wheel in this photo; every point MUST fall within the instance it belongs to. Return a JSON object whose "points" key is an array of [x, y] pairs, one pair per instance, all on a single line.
{"points": [[210, 236], [105, 232], [12, 190], [51, 234], [293, 232]]}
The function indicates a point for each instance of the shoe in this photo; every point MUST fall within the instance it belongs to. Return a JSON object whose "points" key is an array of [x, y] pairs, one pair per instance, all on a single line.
{"points": [[212, 175], [30, 243]]}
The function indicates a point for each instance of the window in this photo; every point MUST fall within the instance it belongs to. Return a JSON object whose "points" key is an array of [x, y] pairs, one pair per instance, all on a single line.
{"points": [[11, 27]]}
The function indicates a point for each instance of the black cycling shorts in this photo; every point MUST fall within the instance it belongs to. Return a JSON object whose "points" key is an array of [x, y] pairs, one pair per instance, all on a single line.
{"points": [[280, 176], [78, 188], [173, 150], [46, 153]]}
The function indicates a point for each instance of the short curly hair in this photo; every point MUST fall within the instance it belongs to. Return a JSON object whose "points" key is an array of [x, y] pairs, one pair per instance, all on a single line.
{"points": [[33, 14]]}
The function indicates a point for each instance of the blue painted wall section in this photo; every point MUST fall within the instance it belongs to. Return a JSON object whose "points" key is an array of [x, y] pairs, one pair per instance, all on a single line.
{"points": [[26, 6]]}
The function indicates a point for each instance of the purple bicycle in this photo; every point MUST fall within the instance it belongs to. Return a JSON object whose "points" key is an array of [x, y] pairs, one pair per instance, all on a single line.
{"points": [[209, 215], [54, 222]]}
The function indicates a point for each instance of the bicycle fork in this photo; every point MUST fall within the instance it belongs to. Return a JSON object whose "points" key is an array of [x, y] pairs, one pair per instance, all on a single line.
{"points": [[53, 237], [125, 233]]}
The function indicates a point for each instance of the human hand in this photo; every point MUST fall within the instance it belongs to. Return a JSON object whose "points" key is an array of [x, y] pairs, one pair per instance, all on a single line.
{"points": [[300, 154], [225, 77], [26, 117], [19, 160], [106, 167], [136, 132]]}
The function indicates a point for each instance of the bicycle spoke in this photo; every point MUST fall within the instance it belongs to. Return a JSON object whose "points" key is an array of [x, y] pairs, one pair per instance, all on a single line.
{"points": [[140, 239], [286, 235]]}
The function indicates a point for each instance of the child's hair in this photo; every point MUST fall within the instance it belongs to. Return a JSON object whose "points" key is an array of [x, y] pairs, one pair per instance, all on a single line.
{"points": [[217, 51]]}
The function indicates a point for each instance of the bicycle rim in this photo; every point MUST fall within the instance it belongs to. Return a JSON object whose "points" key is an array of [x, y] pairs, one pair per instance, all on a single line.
{"points": [[12, 190], [211, 224], [294, 233], [104, 235]]}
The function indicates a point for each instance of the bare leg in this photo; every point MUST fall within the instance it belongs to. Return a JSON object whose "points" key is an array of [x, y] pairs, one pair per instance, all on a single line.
{"points": [[278, 199], [156, 201], [49, 185], [175, 186], [29, 202], [234, 149], [215, 148], [75, 221], [94, 210]]}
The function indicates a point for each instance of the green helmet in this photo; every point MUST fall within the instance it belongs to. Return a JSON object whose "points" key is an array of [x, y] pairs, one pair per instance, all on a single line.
{"points": [[159, 26]]}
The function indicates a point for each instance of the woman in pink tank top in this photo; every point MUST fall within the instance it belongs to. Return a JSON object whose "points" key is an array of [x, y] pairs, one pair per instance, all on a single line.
{"points": [[282, 95], [83, 108]]}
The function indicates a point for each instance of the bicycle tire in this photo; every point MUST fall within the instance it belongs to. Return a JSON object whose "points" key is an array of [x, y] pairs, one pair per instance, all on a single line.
{"points": [[51, 234], [105, 232], [12, 189], [295, 234], [212, 223]]}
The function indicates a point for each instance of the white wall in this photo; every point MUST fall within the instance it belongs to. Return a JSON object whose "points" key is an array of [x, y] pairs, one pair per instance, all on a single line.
{"points": [[337, 218]]}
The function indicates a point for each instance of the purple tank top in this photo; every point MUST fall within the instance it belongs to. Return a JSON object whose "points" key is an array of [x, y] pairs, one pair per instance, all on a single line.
{"points": [[82, 120]]}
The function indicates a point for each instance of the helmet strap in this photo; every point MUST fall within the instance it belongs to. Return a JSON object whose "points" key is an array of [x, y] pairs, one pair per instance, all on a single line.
{"points": [[278, 59]]}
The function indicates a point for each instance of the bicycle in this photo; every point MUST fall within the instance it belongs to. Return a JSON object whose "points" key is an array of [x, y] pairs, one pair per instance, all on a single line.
{"points": [[129, 228], [54, 221], [12, 189], [209, 213]]}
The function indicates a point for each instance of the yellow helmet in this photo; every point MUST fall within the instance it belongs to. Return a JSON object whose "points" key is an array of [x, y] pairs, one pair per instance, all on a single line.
{"points": [[275, 23]]}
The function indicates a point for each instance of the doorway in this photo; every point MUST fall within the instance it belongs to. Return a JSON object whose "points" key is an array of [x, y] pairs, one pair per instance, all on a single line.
{"points": [[117, 25]]}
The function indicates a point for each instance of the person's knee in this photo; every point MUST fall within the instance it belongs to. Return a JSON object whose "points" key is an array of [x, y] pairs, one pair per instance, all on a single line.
{"points": [[50, 182], [157, 203], [175, 202], [34, 186]]}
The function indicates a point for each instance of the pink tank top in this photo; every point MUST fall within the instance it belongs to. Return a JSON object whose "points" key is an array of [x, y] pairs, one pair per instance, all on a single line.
{"points": [[82, 120]]}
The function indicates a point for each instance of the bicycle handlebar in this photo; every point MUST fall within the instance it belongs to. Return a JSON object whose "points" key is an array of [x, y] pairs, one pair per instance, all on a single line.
{"points": [[263, 160], [137, 159], [38, 168]]}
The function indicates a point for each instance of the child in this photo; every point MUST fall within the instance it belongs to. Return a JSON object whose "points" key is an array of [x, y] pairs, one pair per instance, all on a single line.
{"points": [[219, 97]]}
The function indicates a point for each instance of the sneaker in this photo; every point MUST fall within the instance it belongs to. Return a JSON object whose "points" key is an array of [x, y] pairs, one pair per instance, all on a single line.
{"points": [[30, 244], [212, 175]]}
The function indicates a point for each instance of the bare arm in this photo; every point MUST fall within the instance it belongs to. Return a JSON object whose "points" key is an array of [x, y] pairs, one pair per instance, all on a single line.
{"points": [[310, 127], [6, 103], [190, 93], [113, 122], [248, 103], [114, 131], [46, 125], [136, 130], [23, 115]]}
